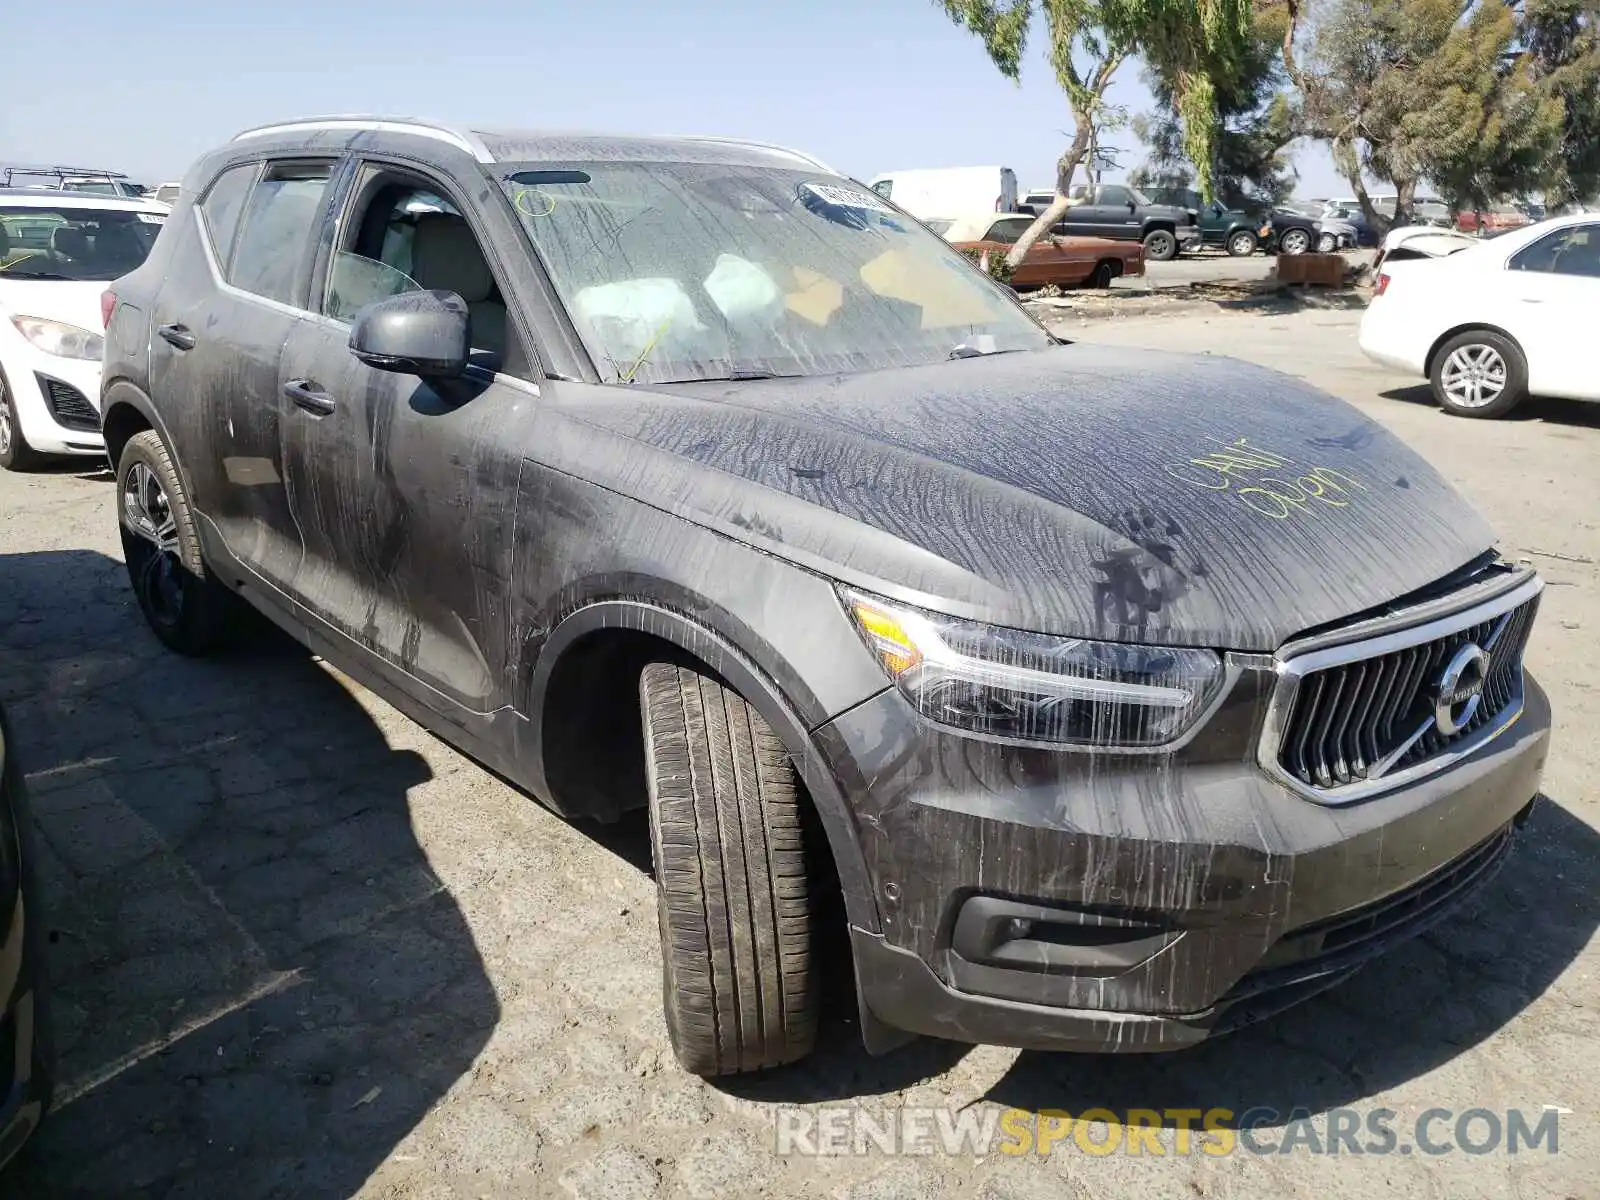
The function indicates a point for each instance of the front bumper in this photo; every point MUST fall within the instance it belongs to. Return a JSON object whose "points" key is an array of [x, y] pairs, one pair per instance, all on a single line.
{"points": [[56, 400], [1168, 898]]}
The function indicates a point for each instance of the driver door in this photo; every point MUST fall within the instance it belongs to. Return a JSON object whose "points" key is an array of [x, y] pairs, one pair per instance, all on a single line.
{"points": [[1115, 214], [404, 488]]}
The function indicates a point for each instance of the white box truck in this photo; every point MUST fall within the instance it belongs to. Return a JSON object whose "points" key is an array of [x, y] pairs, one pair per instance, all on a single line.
{"points": [[950, 191]]}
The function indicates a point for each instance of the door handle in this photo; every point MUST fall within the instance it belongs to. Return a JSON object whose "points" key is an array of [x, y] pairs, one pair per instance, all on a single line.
{"points": [[177, 336], [309, 397]]}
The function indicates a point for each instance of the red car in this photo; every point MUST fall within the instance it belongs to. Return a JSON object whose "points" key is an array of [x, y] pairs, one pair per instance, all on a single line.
{"points": [[1490, 221], [1053, 259]]}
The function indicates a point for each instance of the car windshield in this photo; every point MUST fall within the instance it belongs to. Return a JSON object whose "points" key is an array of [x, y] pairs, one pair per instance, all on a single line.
{"points": [[73, 242], [676, 272]]}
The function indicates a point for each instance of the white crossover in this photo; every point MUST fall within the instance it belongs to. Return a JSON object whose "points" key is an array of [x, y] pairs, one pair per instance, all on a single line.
{"points": [[1491, 324], [59, 251]]}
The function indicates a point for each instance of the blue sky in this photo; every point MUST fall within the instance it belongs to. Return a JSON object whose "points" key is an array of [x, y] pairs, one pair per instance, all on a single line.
{"points": [[867, 85]]}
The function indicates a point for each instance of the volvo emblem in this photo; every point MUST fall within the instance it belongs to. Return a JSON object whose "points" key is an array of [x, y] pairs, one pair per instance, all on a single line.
{"points": [[1459, 691]]}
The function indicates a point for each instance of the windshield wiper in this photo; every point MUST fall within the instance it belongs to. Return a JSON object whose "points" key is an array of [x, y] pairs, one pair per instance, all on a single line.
{"points": [[35, 275]]}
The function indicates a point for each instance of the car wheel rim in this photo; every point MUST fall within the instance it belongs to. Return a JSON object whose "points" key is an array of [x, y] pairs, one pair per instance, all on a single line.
{"points": [[155, 567], [1243, 245], [5, 426], [1474, 376], [1295, 242]]}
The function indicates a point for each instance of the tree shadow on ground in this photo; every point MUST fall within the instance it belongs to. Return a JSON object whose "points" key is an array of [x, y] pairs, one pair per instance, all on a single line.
{"points": [[260, 986]]}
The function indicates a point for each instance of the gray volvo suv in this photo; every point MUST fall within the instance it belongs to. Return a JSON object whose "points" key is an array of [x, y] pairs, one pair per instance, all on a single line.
{"points": [[1124, 698]]}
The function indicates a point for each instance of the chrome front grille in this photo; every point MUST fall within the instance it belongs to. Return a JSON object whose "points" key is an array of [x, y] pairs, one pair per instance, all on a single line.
{"points": [[1362, 717]]}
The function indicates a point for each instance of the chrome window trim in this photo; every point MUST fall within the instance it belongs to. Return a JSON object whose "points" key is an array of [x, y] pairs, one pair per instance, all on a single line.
{"points": [[1295, 661]]}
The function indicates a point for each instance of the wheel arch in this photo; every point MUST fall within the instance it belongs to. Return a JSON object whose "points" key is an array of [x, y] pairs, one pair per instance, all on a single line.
{"points": [[677, 634], [126, 410], [1467, 327]]}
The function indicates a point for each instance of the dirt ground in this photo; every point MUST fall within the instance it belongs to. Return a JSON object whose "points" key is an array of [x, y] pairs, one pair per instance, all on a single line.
{"points": [[302, 948]]}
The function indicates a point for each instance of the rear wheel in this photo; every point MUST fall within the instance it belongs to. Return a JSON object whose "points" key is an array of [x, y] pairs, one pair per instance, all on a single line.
{"points": [[1104, 272], [1294, 241], [1327, 244], [183, 603], [1479, 373], [1242, 244], [731, 881], [15, 453], [1160, 245]]}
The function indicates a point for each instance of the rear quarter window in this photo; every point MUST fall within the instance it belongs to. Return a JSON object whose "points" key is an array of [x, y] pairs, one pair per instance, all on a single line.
{"points": [[222, 206]]}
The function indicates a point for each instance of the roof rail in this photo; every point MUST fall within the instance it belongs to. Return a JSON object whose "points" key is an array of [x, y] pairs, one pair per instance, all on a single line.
{"points": [[360, 123], [10, 169], [733, 141]]}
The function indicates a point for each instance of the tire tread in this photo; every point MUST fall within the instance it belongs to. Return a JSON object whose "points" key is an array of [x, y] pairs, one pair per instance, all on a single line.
{"points": [[731, 877]]}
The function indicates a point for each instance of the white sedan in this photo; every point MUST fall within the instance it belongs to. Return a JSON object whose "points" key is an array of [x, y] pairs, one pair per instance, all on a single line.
{"points": [[1489, 325]]}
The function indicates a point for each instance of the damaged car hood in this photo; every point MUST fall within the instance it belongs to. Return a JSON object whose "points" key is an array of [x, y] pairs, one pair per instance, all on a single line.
{"points": [[1079, 490]]}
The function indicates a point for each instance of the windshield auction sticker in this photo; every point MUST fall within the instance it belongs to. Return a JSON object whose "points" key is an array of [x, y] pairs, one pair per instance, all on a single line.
{"points": [[844, 197]]}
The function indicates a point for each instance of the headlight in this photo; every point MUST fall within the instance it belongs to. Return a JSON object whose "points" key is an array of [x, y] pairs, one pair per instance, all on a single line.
{"points": [[1032, 687], [59, 338]]}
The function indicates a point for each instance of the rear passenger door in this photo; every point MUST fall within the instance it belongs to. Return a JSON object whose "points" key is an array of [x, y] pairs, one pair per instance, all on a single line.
{"points": [[404, 491], [234, 290]]}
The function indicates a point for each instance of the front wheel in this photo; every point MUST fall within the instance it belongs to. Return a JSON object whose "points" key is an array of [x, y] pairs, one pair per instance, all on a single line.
{"points": [[15, 453], [1242, 244], [1327, 244], [1160, 246], [1295, 241], [182, 602], [732, 887], [1480, 374], [1104, 272]]}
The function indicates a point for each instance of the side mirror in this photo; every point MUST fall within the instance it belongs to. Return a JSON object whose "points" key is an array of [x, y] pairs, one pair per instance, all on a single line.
{"points": [[428, 334], [1133, 206]]}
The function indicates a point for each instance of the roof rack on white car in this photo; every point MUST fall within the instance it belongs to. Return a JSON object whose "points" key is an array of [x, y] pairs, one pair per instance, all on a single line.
{"points": [[354, 122]]}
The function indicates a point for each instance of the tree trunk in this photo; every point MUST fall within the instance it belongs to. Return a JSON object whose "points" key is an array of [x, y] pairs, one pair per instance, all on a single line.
{"points": [[1066, 167], [1405, 200]]}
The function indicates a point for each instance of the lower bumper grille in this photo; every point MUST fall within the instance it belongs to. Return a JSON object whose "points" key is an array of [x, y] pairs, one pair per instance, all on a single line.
{"points": [[1326, 952], [70, 407]]}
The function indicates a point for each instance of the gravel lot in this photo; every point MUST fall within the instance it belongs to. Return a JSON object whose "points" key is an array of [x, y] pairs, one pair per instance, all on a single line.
{"points": [[304, 949]]}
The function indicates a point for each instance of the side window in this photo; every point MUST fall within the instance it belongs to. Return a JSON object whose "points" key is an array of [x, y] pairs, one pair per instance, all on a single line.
{"points": [[1580, 253], [1541, 256], [279, 218], [403, 235], [1007, 232], [222, 206], [1120, 196], [884, 188]]}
